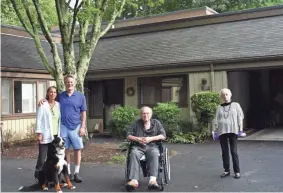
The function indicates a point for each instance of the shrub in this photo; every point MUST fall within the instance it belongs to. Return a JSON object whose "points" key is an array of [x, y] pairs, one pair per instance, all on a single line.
{"points": [[187, 126], [169, 115], [122, 118], [188, 138], [204, 105]]}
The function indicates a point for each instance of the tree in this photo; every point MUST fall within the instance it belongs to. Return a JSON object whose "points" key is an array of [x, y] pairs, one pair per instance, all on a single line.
{"points": [[141, 8], [9, 16], [74, 17]]}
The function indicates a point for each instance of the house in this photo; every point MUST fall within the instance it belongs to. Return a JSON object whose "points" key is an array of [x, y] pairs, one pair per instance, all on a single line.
{"points": [[169, 57], [162, 58], [24, 81]]}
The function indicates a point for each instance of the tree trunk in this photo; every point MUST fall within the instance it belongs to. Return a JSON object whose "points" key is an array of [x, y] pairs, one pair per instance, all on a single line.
{"points": [[60, 82]]}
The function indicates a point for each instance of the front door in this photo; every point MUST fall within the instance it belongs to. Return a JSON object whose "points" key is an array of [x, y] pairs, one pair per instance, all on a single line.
{"points": [[113, 97]]}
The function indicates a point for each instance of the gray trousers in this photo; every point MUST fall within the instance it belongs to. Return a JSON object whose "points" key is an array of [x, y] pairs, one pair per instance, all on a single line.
{"points": [[151, 152], [42, 154]]}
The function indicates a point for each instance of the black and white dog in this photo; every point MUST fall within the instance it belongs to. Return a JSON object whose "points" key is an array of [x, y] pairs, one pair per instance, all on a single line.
{"points": [[53, 167]]}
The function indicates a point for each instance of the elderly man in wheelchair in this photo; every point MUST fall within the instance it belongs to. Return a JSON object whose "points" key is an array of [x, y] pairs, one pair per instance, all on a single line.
{"points": [[145, 135]]}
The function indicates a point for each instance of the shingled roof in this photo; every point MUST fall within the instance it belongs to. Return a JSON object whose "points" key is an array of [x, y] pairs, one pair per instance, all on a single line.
{"points": [[260, 37], [20, 52]]}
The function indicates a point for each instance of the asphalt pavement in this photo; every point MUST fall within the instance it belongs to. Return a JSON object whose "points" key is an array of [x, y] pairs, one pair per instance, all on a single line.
{"points": [[195, 168]]}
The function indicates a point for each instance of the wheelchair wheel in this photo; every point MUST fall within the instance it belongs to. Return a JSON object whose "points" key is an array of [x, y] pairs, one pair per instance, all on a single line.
{"points": [[167, 168]]}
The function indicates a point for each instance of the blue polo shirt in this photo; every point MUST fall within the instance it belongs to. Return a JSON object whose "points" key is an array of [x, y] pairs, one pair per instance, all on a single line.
{"points": [[71, 108]]}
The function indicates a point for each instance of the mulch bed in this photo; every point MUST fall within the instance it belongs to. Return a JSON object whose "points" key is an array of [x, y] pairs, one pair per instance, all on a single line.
{"points": [[95, 153]]}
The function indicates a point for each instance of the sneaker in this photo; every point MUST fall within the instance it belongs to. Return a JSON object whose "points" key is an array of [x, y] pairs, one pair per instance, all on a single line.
{"points": [[225, 174], [77, 178], [237, 175], [132, 185], [153, 184]]}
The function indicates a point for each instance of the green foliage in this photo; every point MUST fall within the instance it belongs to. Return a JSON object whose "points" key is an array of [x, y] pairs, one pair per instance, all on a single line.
{"points": [[204, 105], [124, 146], [140, 8], [187, 126], [8, 14], [88, 12], [188, 138], [122, 118], [118, 159], [169, 115]]}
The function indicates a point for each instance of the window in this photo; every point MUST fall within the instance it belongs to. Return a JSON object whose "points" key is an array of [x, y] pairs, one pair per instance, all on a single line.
{"points": [[25, 97], [21, 96], [163, 89], [6, 91]]}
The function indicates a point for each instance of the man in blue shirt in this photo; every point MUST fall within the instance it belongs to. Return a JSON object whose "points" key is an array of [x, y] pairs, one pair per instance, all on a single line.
{"points": [[73, 122]]}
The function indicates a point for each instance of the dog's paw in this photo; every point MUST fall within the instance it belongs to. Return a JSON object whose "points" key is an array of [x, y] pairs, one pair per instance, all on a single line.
{"points": [[45, 189], [73, 187], [63, 184], [59, 191]]}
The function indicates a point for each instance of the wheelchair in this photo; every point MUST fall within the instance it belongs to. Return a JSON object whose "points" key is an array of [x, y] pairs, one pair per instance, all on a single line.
{"points": [[164, 172]]}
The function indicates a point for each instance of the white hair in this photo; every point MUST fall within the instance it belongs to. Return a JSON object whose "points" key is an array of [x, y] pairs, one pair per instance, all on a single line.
{"points": [[146, 107], [228, 91]]}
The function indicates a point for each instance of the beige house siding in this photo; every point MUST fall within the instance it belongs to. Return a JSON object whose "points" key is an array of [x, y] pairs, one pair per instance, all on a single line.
{"points": [[193, 85], [219, 78], [19, 128], [131, 101]]}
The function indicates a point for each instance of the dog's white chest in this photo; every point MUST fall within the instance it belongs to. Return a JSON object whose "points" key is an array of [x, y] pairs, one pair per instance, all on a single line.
{"points": [[61, 162]]}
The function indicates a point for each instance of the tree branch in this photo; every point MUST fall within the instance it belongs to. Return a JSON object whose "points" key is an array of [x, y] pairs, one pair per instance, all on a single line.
{"points": [[48, 36], [42, 23], [21, 18], [76, 10], [43, 56], [61, 16], [113, 17], [31, 20], [34, 34]]}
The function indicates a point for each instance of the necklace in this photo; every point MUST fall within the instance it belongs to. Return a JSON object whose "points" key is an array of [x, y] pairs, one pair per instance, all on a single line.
{"points": [[226, 111], [51, 108], [51, 105]]}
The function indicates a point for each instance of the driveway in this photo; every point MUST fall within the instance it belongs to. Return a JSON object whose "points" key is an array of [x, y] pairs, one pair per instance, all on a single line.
{"points": [[195, 168]]}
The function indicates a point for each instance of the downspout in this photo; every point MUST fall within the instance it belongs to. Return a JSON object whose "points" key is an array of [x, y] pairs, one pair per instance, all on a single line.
{"points": [[212, 88], [212, 80]]}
